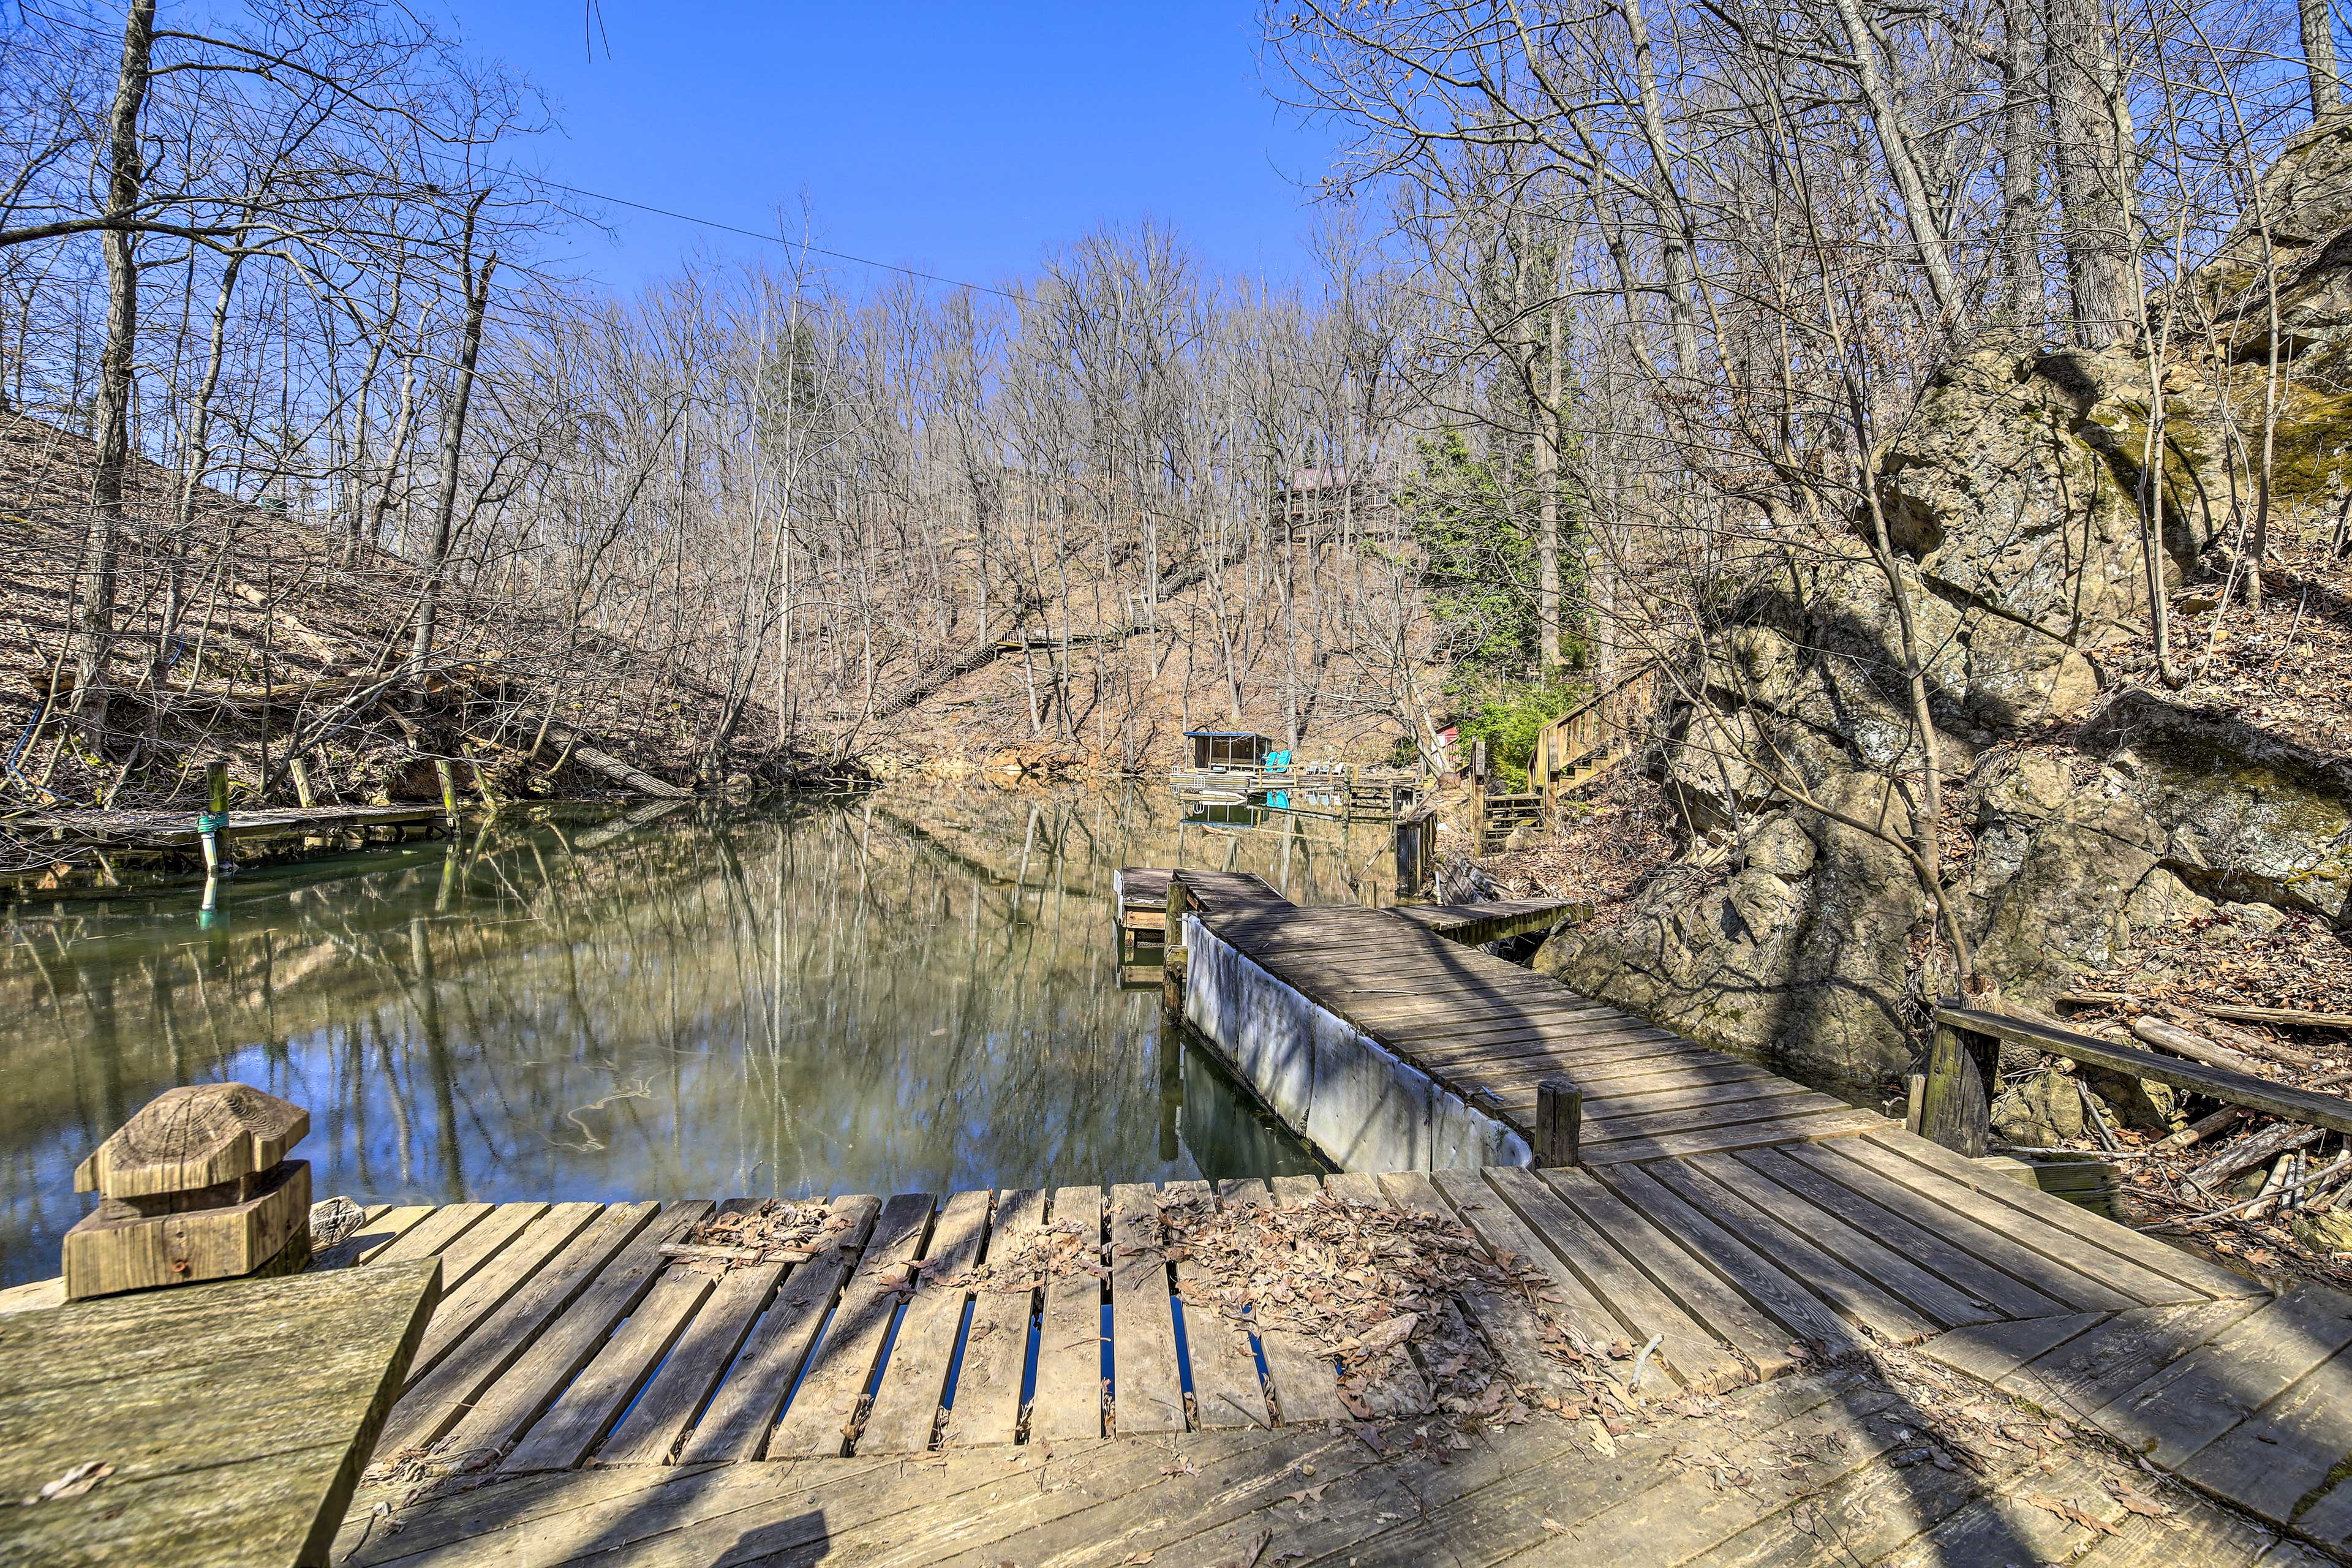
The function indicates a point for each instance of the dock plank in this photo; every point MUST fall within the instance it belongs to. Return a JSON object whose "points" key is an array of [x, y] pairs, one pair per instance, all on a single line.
{"points": [[493, 1284], [906, 1401], [1303, 1379], [523, 1392], [1068, 1401], [745, 1408], [587, 1409], [1226, 1390], [1147, 1386], [433, 1403], [824, 1408], [996, 1349]]}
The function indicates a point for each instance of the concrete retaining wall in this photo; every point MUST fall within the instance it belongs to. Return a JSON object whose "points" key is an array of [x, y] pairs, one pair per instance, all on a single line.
{"points": [[1359, 1103]]}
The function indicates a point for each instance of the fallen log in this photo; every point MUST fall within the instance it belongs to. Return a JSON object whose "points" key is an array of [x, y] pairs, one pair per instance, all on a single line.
{"points": [[2239, 1039], [2232, 1010], [2172, 1037], [2203, 1127], [2267, 1144], [608, 765]]}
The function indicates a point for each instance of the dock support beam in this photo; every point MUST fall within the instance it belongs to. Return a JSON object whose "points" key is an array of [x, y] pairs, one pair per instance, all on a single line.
{"points": [[1955, 1104], [1559, 1123]]}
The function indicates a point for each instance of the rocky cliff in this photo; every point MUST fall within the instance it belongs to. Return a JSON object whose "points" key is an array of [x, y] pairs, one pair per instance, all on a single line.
{"points": [[2041, 503]]}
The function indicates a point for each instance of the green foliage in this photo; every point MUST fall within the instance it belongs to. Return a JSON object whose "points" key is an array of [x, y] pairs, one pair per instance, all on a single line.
{"points": [[1477, 561], [1510, 718]]}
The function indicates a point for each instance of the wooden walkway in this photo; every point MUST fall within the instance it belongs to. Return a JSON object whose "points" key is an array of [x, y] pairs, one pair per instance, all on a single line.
{"points": [[178, 830], [567, 1339], [1490, 1031]]}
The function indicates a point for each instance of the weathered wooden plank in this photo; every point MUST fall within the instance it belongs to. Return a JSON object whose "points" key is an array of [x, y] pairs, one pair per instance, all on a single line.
{"points": [[1300, 1374], [2308, 1106], [1729, 1140], [996, 1349], [745, 1407], [491, 1285], [1693, 1352], [1508, 1325], [906, 1408], [2286, 1451], [1147, 1385], [1808, 1319], [1856, 1247], [1719, 1309], [1970, 1221], [523, 1390], [1403, 1391], [1498, 1225], [1068, 1401], [2079, 1373], [217, 1461], [2141, 1252], [649, 1433], [1857, 1299], [587, 1409], [434, 1234], [1648, 1102], [1981, 1281], [2005, 1527], [1226, 1390], [1716, 1111], [2180, 1410], [481, 1242], [1990, 1351], [433, 1401], [824, 1408]]}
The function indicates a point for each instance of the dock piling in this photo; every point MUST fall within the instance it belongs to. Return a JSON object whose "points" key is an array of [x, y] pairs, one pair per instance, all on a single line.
{"points": [[213, 821], [1955, 1104], [1171, 946], [1559, 1123]]}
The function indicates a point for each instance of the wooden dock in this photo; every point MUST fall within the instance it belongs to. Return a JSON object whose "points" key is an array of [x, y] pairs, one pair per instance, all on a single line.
{"points": [[602, 1401], [1489, 1032], [136, 830]]}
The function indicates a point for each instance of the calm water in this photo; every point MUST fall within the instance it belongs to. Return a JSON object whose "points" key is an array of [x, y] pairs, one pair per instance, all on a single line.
{"points": [[918, 989]]}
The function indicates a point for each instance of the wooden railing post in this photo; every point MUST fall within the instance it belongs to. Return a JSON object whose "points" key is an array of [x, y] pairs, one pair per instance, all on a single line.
{"points": [[1171, 946], [1559, 1123], [1955, 1105]]}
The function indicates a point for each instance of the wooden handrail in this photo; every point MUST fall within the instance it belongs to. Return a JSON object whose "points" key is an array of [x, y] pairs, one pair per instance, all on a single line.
{"points": [[1955, 1111]]}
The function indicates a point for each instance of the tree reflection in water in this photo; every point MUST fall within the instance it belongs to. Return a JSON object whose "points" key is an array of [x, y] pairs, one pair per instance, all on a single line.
{"points": [[915, 989]]}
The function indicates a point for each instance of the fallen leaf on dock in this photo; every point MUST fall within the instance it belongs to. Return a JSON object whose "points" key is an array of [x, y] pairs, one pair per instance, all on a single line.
{"points": [[74, 1482]]}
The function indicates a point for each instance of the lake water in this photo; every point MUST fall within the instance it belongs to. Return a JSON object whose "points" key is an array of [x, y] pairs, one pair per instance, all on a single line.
{"points": [[916, 989]]}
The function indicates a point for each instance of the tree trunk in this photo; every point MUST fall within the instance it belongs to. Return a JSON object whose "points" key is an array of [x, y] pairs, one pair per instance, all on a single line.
{"points": [[2319, 57], [2020, 167], [2096, 225], [452, 439], [125, 179]]}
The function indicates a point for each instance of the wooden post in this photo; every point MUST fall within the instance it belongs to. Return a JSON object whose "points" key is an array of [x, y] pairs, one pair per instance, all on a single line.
{"points": [[1955, 1106], [1559, 1123], [448, 777], [301, 776], [1172, 947], [215, 820], [1478, 764]]}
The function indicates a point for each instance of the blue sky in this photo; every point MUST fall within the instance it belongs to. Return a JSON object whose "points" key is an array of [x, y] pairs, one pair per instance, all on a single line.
{"points": [[963, 138]]}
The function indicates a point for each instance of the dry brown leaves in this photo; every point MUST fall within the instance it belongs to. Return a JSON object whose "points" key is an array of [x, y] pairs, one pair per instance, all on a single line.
{"points": [[1390, 1293], [778, 1231], [1056, 1250], [2285, 668], [2301, 963], [1607, 843]]}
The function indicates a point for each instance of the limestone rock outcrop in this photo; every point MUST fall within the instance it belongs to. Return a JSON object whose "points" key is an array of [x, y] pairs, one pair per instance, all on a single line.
{"points": [[2025, 498]]}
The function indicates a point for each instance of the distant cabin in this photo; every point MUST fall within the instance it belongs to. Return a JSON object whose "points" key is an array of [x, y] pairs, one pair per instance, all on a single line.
{"points": [[1228, 748]]}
